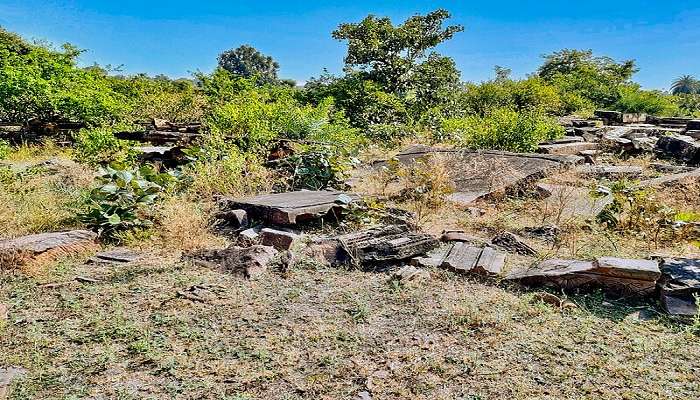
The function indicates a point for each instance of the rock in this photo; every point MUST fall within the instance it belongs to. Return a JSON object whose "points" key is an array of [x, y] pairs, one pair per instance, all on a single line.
{"points": [[546, 232], [292, 207], [280, 240], [589, 155], [670, 168], [563, 140], [609, 117], [363, 395], [513, 243], [695, 134], [571, 201], [461, 236], [464, 258], [118, 255], [3, 312], [610, 171], [634, 118], [679, 147], [44, 247], [251, 261], [410, 273], [480, 174], [669, 180], [640, 316], [693, 125], [567, 148], [7, 375], [168, 156], [379, 245], [620, 276], [547, 298], [679, 283], [233, 219], [249, 235]]}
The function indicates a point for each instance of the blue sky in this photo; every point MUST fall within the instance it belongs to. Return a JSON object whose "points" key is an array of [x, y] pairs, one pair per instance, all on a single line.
{"points": [[177, 37]]}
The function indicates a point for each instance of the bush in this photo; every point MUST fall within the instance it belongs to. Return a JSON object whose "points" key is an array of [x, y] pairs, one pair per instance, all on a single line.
{"points": [[100, 146], [5, 149], [123, 199], [531, 94], [502, 129], [634, 100], [317, 167]]}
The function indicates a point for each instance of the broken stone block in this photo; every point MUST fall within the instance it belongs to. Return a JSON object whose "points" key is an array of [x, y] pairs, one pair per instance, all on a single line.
{"points": [[513, 243], [619, 276], [679, 147], [292, 207], [377, 245], [169, 156], [610, 171], [464, 258], [669, 180], [567, 148], [45, 247], [250, 262], [3, 312], [693, 125], [546, 232], [251, 235], [563, 140], [280, 240], [634, 118], [233, 219], [678, 286], [693, 134], [115, 256], [570, 201], [461, 236]]}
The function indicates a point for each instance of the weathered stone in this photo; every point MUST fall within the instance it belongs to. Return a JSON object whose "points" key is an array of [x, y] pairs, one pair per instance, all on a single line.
{"points": [[571, 201], [609, 117], [292, 207], [621, 276], [461, 236], [3, 312], [695, 134], [513, 243], [45, 247], [679, 284], [679, 147], [118, 255], [233, 219], [669, 180], [410, 273], [567, 148], [280, 240], [547, 232], [481, 174], [250, 261], [382, 244], [634, 118], [169, 156], [693, 125], [610, 171], [670, 168], [464, 258], [564, 140], [673, 122], [251, 234]]}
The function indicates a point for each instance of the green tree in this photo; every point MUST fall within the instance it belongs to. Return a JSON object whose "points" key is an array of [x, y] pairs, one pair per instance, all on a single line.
{"points": [[246, 61], [585, 80], [686, 84]]}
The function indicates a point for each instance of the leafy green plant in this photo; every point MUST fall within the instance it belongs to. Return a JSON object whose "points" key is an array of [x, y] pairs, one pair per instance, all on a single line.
{"points": [[99, 146], [124, 198], [503, 129], [5, 149], [318, 167]]}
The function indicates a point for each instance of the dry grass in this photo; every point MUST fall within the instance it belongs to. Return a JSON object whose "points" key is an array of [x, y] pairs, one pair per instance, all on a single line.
{"points": [[329, 334]]}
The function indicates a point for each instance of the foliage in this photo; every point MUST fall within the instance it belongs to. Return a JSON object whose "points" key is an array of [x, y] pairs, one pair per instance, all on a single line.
{"points": [[317, 167], [247, 62], [124, 198], [634, 100], [5, 149], [531, 94], [502, 129], [686, 84], [99, 146], [689, 104], [37, 82], [584, 80]]}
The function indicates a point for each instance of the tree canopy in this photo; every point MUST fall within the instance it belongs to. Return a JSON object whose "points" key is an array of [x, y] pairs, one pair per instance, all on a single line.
{"points": [[247, 61]]}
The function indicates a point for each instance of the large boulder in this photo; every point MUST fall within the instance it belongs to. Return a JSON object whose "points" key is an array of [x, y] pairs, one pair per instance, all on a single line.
{"points": [[679, 147]]}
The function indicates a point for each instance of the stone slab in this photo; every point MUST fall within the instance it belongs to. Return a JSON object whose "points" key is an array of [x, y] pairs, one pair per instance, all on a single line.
{"points": [[567, 148], [679, 284], [44, 247], [610, 171], [292, 207], [571, 201]]}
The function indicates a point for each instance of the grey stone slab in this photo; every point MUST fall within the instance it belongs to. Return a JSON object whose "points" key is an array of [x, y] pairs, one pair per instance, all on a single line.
{"points": [[462, 258], [671, 179], [45, 246], [610, 171], [567, 148], [570, 201], [491, 262], [292, 207], [679, 284], [116, 256], [679, 147]]}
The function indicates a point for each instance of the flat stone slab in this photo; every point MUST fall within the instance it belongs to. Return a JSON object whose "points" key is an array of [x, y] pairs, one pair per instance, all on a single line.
{"points": [[465, 258], [116, 256], [45, 247], [567, 148], [480, 174], [572, 201], [669, 180], [617, 275], [678, 285], [292, 207], [249, 262], [610, 171], [679, 147]]}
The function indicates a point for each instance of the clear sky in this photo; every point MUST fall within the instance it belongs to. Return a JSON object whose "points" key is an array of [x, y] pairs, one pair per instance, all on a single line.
{"points": [[176, 37]]}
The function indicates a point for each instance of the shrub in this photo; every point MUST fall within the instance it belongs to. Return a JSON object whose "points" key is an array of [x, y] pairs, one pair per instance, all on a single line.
{"points": [[100, 146], [503, 129], [317, 167], [531, 94], [124, 198], [634, 100], [5, 149]]}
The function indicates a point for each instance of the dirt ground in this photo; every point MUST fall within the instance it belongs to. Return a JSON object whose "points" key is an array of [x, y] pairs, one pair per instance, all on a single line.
{"points": [[143, 332]]}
